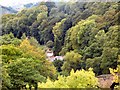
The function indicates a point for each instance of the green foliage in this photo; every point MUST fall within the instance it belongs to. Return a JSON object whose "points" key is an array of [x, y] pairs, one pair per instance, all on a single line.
{"points": [[85, 29], [78, 79], [31, 51], [41, 16], [23, 36], [72, 56], [50, 44], [9, 53], [96, 41], [109, 59], [110, 50], [95, 64], [58, 32], [72, 61], [86, 34], [24, 71], [58, 64], [9, 39], [34, 42], [81, 35], [24, 64], [6, 83], [40, 20], [38, 54]]}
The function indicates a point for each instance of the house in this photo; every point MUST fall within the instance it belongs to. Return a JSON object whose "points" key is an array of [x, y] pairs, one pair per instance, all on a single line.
{"points": [[59, 58], [51, 57], [49, 53]]}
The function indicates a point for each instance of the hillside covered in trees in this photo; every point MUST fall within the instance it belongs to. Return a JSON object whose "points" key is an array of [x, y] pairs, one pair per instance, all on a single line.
{"points": [[85, 33]]}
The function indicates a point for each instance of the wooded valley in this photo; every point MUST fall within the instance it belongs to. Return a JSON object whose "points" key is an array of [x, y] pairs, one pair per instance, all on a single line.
{"points": [[86, 34]]}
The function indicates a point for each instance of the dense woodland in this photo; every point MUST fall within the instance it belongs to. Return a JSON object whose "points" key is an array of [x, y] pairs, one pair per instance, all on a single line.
{"points": [[85, 33]]}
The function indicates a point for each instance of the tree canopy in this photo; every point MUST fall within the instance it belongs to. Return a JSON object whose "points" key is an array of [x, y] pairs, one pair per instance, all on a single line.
{"points": [[85, 34]]}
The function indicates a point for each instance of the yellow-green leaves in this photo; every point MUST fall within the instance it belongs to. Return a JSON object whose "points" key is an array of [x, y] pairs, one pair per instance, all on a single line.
{"points": [[72, 57], [41, 16], [114, 72], [78, 79], [31, 51]]}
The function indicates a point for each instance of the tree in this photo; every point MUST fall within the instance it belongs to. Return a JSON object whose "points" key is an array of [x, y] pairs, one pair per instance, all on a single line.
{"points": [[41, 16], [86, 33], [9, 53], [31, 51], [9, 39], [23, 36], [23, 71], [110, 49], [109, 59], [81, 35], [95, 64], [36, 53], [72, 61], [34, 42], [25, 64], [6, 82], [49, 44], [58, 36], [58, 64], [78, 79]]}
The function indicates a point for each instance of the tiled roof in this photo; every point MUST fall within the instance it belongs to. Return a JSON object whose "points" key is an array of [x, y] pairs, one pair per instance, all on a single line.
{"points": [[105, 81]]}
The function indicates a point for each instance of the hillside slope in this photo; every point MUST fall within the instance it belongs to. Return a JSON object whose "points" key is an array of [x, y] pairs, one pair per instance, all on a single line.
{"points": [[7, 10]]}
